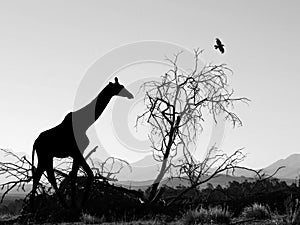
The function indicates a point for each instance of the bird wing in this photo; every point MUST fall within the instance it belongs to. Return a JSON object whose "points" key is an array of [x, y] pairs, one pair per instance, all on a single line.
{"points": [[218, 41], [221, 48]]}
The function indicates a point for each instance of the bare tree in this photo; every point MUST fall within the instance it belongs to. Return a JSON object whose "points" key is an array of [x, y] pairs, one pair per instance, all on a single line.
{"points": [[175, 109]]}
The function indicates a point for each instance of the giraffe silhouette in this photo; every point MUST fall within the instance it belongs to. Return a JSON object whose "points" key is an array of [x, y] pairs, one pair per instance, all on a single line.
{"points": [[69, 139]]}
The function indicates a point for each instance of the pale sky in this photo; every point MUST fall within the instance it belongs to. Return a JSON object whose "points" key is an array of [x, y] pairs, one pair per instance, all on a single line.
{"points": [[46, 48]]}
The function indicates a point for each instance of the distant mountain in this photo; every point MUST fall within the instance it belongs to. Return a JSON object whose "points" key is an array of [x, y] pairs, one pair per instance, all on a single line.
{"points": [[147, 168], [221, 179], [291, 170]]}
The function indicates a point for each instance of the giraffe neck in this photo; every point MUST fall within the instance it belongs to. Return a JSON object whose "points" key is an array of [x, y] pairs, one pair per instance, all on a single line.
{"points": [[86, 116], [102, 101]]}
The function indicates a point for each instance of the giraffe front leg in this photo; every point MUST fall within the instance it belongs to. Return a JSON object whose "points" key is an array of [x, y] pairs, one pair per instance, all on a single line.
{"points": [[73, 175], [90, 178]]}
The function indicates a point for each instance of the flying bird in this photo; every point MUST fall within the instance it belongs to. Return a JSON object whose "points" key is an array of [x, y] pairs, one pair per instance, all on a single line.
{"points": [[219, 45]]}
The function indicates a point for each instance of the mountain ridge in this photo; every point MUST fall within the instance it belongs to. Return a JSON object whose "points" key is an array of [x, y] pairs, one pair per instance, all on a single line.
{"points": [[291, 166]]}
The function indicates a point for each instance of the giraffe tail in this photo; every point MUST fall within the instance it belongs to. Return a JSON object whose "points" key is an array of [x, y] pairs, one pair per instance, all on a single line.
{"points": [[32, 159]]}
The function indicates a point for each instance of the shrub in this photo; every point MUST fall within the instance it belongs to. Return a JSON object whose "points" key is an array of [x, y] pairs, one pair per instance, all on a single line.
{"points": [[296, 218], [219, 216], [89, 219], [292, 210], [192, 217], [256, 211], [200, 216]]}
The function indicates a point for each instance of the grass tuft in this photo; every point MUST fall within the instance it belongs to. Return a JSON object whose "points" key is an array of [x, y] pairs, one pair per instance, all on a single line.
{"points": [[89, 219], [256, 211], [200, 216]]}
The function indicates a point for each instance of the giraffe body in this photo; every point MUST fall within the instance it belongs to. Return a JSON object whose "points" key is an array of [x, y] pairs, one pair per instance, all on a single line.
{"points": [[59, 141], [69, 139]]}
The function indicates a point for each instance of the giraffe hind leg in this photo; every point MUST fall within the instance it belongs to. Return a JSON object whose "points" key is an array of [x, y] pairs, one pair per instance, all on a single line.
{"points": [[36, 179], [52, 180]]}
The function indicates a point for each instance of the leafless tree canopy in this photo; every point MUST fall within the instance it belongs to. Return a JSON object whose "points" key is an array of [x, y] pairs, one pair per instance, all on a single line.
{"points": [[176, 105]]}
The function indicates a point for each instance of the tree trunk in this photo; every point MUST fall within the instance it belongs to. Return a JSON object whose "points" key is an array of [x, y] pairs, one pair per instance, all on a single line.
{"points": [[162, 172], [159, 177]]}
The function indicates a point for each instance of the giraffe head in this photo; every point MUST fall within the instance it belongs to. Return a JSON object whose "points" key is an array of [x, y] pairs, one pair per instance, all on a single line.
{"points": [[119, 90]]}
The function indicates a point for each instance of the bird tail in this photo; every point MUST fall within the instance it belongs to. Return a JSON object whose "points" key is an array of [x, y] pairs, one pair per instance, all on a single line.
{"points": [[216, 46]]}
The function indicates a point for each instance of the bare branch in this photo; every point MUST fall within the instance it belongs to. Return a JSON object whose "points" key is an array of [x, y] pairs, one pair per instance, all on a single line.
{"points": [[187, 96]]}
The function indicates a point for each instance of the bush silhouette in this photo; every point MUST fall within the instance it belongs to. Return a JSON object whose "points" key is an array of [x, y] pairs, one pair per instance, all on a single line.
{"points": [[256, 211], [201, 216]]}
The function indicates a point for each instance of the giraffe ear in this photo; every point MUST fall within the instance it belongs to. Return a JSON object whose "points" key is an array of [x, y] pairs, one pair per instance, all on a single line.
{"points": [[116, 80]]}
